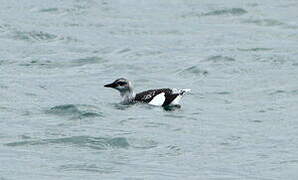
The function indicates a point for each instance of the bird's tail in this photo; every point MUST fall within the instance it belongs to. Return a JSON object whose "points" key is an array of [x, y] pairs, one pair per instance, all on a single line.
{"points": [[182, 91]]}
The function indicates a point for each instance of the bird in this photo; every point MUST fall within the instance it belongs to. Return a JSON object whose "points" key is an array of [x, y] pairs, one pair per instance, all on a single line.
{"points": [[157, 97]]}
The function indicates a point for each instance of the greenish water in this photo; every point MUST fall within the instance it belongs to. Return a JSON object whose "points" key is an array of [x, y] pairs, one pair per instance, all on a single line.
{"points": [[240, 59]]}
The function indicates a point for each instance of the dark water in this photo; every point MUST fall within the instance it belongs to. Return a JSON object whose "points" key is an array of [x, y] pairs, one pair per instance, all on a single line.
{"points": [[240, 58]]}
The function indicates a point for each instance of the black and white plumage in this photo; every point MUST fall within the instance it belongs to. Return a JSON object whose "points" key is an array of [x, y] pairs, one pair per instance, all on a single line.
{"points": [[157, 97]]}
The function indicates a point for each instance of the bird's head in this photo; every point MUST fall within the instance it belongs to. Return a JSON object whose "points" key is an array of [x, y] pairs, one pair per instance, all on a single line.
{"points": [[122, 85]]}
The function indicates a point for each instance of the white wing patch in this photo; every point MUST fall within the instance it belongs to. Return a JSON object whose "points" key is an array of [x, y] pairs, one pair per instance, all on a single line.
{"points": [[158, 100], [176, 100]]}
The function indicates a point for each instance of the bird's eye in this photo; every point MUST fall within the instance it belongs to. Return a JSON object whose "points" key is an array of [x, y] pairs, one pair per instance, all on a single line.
{"points": [[121, 83]]}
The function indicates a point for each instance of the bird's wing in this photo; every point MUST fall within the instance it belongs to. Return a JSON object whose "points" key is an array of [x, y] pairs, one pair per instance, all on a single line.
{"points": [[160, 97]]}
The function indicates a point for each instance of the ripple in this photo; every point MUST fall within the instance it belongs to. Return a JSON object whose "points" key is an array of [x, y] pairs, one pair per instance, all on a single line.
{"points": [[34, 36], [99, 143], [120, 106], [193, 70], [294, 92], [75, 111], [4, 27], [257, 121], [64, 109], [147, 53], [223, 93], [231, 141], [174, 150], [175, 116], [49, 10], [219, 12], [276, 92], [220, 58], [39, 36], [143, 143], [3, 86], [293, 161], [263, 22], [125, 50], [255, 49], [76, 9], [68, 63], [37, 63], [232, 11], [87, 60], [87, 167], [156, 124]]}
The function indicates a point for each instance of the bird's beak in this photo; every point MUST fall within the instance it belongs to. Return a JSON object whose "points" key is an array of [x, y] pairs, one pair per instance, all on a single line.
{"points": [[112, 85]]}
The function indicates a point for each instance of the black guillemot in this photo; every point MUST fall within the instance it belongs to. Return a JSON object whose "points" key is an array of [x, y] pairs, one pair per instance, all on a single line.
{"points": [[157, 97]]}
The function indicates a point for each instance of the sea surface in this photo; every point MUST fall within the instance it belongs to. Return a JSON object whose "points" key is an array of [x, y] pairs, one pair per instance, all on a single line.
{"points": [[239, 122]]}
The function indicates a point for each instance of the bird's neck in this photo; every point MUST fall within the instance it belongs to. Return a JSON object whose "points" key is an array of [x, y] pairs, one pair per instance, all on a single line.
{"points": [[127, 96]]}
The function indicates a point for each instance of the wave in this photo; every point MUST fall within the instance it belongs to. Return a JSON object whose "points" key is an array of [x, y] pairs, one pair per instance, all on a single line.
{"points": [[218, 12], [231, 11], [220, 58], [75, 111], [263, 22], [194, 70], [65, 63], [100, 143]]}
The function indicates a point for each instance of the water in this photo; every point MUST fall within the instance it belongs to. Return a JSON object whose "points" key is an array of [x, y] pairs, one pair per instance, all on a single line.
{"points": [[240, 59]]}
